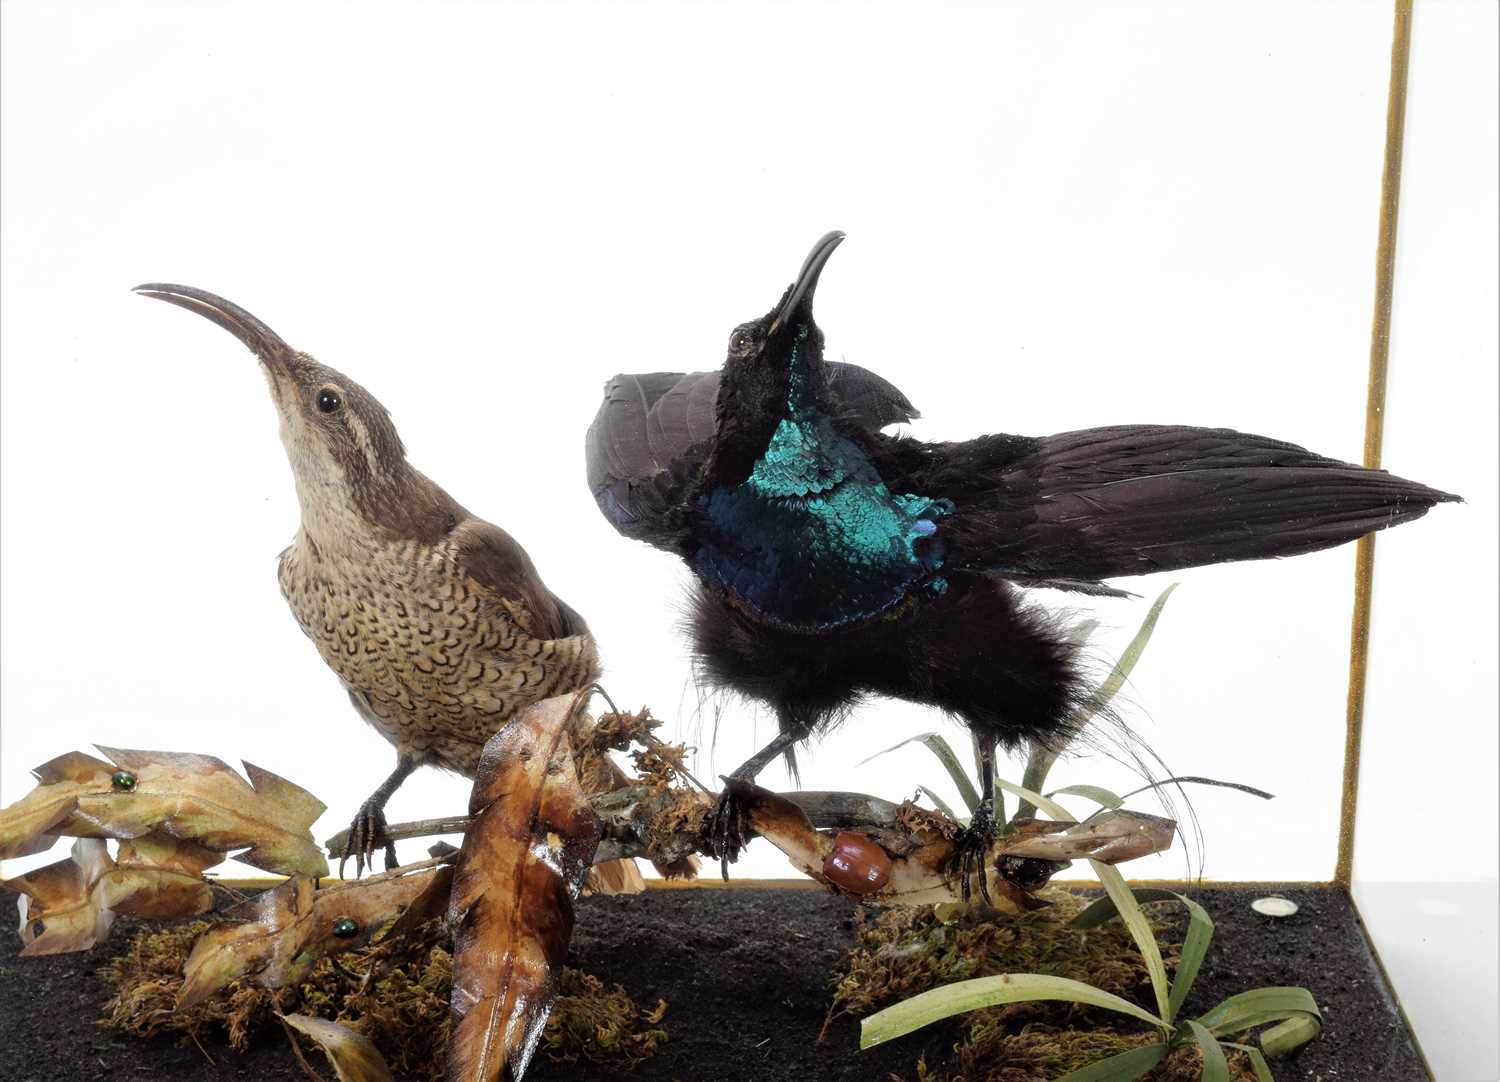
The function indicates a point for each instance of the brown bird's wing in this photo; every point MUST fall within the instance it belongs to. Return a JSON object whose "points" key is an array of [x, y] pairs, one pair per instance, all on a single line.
{"points": [[501, 568], [1133, 499], [653, 431]]}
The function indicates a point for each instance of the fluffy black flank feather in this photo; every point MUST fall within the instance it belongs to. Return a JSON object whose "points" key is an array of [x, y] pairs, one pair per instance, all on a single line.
{"points": [[1009, 670]]}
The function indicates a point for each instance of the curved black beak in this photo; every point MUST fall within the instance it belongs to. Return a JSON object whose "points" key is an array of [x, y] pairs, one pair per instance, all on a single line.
{"points": [[264, 342], [807, 278]]}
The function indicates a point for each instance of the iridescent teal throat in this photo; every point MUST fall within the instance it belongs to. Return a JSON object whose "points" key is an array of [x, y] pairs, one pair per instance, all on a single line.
{"points": [[813, 537]]}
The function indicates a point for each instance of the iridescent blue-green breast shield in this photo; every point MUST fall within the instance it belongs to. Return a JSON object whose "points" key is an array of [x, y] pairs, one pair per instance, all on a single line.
{"points": [[813, 537]]}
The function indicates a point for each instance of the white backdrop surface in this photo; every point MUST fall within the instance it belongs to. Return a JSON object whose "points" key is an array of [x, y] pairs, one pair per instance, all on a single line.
{"points": [[1058, 217]]}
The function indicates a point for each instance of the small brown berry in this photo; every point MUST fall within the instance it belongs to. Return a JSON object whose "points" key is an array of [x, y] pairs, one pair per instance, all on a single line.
{"points": [[857, 865]]}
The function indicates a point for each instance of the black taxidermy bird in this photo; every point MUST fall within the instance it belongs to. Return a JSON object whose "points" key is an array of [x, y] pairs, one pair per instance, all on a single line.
{"points": [[834, 561]]}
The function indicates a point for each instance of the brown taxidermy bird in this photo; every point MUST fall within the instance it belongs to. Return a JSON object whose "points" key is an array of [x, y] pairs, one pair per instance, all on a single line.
{"points": [[436, 621]]}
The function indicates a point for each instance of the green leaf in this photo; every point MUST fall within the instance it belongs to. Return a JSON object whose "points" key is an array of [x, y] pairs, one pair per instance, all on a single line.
{"points": [[1200, 933], [1258, 1062], [1195, 945], [1140, 931], [1215, 1066], [1051, 807], [944, 752], [1121, 672], [1092, 792], [1122, 1067], [938, 802], [1290, 1035], [1102, 910], [1038, 766], [963, 996], [1257, 1007]]}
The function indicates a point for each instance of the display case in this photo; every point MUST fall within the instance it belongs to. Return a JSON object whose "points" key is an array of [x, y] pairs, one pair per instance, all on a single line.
{"points": [[1058, 217]]}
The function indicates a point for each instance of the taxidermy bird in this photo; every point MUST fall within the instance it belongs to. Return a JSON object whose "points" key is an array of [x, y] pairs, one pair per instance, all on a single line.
{"points": [[832, 560], [435, 621]]}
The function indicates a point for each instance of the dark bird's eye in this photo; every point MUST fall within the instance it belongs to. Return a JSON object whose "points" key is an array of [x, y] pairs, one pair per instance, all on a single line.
{"points": [[329, 400]]}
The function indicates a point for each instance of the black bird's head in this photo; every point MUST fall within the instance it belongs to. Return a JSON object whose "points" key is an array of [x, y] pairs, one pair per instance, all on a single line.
{"points": [[343, 448], [771, 361]]}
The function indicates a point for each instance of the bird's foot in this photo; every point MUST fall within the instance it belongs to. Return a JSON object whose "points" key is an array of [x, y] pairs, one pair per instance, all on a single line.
{"points": [[971, 850], [727, 828], [366, 834]]}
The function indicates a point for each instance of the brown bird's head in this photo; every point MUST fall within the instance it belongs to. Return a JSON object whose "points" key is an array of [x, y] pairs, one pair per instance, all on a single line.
{"points": [[340, 440]]}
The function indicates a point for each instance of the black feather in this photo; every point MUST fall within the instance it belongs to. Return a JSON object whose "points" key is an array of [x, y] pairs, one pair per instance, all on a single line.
{"points": [[835, 561]]}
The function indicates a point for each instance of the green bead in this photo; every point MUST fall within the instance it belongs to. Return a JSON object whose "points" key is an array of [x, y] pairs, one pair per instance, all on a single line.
{"points": [[123, 780], [345, 928]]}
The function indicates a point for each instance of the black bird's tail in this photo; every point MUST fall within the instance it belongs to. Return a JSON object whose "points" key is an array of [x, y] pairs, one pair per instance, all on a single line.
{"points": [[1135, 499]]}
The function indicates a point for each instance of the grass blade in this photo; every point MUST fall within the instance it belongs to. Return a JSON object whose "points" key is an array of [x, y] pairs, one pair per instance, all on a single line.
{"points": [[1257, 1007], [963, 996], [1121, 672], [1038, 766], [1200, 933], [1036, 800], [944, 752], [1103, 909], [1195, 945], [1140, 931], [1123, 1067], [1290, 1035], [1215, 1066], [1093, 792], [938, 802], [1258, 1062]]}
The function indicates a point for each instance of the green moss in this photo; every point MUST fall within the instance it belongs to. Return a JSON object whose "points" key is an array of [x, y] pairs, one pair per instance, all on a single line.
{"points": [[904, 952], [403, 1008]]}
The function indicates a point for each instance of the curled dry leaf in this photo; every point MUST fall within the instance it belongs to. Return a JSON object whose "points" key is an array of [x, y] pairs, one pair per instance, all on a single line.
{"points": [[523, 863], [60, 908], [295, 925], [193, 797], [1111, 837], [159, 876], [922, 874], [69, 906], [615, 877], [354, 1058]]}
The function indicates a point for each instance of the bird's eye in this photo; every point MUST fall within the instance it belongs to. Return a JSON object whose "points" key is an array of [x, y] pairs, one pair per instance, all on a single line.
{"points": [[329, 400]]}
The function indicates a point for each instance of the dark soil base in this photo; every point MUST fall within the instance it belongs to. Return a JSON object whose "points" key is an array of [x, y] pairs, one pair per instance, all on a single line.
{"points": [[747, 976]]}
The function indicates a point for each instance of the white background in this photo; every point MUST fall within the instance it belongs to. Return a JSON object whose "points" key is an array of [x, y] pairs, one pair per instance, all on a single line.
{"points": [[1059, 216]]}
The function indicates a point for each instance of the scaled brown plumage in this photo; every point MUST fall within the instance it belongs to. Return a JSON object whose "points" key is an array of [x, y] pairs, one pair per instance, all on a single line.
{"points": [[436, 621]]}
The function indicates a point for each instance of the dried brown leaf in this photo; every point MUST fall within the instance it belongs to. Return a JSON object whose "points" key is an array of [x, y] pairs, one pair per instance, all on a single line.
{"points": [[354, 1058], [59, 907], [615, 877], [1111, 837], [294, 926], [191, 797], [159, 876], [523, 863]]}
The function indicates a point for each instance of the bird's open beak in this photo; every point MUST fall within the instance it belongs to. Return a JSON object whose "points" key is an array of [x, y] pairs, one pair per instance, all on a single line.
{"points": [[264, 342], [807, 279]]}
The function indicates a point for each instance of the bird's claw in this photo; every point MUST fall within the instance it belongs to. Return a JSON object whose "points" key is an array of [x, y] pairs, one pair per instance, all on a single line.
{"points": [[366, 834], [727, 830], [971, 851]]}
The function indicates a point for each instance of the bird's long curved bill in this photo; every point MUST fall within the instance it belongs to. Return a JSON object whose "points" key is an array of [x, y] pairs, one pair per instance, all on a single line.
{"points": [[263, 342], [807, 278]]}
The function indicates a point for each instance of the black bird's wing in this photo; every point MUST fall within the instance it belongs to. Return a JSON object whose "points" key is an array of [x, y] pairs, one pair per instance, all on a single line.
{"points": [[652, 434], [1078, 507]]}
